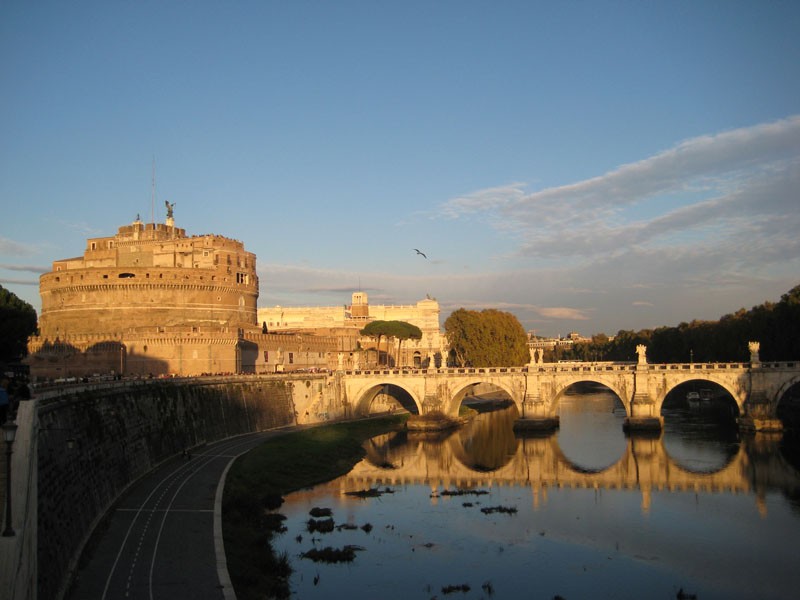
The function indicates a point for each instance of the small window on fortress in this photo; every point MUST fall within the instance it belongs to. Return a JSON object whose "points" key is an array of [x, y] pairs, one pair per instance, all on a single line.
{"points": [[105, 276], [58, 279], [110, 244], [94, 246], [126, 275]]}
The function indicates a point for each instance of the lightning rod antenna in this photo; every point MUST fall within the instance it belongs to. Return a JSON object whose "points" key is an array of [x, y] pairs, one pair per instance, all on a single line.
{"points": [[153, 194]]}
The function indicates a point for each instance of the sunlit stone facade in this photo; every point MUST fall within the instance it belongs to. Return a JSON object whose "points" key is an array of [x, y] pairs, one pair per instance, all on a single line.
{"points": [[150, 276], [148, 300], [353, 317]]}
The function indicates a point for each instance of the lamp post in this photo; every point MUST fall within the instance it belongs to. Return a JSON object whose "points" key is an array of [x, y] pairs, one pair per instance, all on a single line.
{"points": [[9, 433]]}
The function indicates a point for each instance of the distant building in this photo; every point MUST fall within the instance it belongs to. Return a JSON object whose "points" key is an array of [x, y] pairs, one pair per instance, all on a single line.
{"points": [[344, 322]]}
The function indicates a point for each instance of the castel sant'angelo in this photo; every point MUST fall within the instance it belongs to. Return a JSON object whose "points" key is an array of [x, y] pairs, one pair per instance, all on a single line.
{"points": [[152, 301]]}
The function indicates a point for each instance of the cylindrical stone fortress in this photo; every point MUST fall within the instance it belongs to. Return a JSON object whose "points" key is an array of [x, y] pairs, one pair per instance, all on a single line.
{"points": [[147, 278]]}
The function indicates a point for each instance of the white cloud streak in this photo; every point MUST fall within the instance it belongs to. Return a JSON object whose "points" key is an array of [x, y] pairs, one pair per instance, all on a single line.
{"points": [[735, 190], [12, 248], [25, 268]]}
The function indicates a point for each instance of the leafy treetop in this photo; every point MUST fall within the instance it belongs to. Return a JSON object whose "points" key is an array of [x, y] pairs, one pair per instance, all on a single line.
{"points": [[17, 323], [487, 338]]}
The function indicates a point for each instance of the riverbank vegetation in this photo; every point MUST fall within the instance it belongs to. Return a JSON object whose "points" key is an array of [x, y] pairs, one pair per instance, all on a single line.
{"points": [[257, 482], [775, 325]]}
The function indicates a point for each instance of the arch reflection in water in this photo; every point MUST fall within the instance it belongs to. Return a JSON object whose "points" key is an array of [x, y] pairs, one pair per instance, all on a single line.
{"points": [[591, 421], [489, 453], [641, 526]]}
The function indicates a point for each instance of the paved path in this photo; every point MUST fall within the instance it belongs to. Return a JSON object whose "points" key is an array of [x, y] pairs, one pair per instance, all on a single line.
{"points": [[163, 540]]}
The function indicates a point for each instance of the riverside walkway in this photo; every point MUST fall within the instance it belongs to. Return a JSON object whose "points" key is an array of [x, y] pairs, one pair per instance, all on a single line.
{"points": [[163, 539]]}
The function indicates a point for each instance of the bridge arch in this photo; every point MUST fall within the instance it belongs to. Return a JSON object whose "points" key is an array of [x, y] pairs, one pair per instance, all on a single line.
{"points": [[784, 389], [365, 395], [738, 395], [560, 390], [787, 403], [459, 392]]}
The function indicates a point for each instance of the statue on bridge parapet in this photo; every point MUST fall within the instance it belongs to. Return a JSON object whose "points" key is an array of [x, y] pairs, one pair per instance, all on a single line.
{"points": [[754, 347], [537, 356], [641, 350]]}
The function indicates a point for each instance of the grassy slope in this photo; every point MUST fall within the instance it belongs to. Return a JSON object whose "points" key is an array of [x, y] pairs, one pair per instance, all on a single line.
{"points": [[258, 479]]}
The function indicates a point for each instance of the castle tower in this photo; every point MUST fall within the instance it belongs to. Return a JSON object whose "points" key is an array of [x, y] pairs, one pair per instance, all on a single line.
{"points": [[151, 282], [359, 309]]}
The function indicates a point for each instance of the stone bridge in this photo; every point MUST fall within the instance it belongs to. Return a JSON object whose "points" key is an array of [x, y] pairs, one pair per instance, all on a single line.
{"points": [[536, 389]]}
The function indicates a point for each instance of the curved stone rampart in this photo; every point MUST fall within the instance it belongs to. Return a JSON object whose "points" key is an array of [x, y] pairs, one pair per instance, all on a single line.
{"points": [[95, 441]]}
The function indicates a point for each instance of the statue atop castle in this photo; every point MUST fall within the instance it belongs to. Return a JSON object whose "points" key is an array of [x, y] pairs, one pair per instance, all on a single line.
{"points": [[170, 207]]}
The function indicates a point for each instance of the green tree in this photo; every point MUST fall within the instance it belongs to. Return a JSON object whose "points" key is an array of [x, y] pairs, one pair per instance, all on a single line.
{"points": [[399, 330], [377, 330], [405, 331], [487, 338], [17, 323]]}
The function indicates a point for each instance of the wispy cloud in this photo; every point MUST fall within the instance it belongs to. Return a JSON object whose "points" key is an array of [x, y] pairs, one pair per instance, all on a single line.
{"points": [[734, 190], [12, 248], [6, 281], [562, 312], [24, 268], [482, 201]]}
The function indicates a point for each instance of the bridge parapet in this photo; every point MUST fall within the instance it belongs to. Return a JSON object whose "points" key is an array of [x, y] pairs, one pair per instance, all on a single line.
{"points": [[536, 388]]}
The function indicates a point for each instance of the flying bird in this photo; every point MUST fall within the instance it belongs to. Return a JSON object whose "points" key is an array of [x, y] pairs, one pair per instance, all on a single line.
{"points": [[422, 254]]}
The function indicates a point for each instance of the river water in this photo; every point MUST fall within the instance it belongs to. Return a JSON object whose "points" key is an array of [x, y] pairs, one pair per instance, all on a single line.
{"points": [[586, 512]]}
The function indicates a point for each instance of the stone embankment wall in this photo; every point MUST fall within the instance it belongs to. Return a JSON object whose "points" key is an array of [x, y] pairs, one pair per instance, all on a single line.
{"points": [[93, 443]]}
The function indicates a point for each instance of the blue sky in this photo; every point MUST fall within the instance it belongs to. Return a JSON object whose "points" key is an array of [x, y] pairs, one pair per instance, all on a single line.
{"points": [[588, 166]]}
